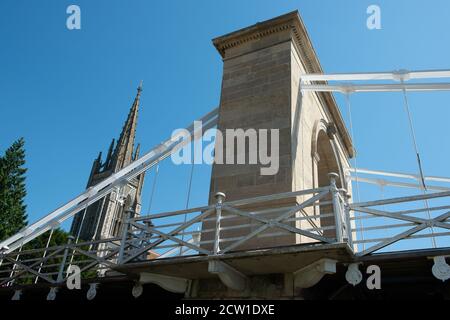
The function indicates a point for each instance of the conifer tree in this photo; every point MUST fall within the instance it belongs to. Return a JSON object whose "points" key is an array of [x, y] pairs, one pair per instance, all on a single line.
{"points": [[12, 190]]}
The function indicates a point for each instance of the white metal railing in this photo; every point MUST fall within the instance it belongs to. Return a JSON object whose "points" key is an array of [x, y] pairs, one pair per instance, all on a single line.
{"points": [[308, 217], [392, 222], [204, 230], [399, 76], [50, 264], [409, 219], [398, 179], [105, 187]]}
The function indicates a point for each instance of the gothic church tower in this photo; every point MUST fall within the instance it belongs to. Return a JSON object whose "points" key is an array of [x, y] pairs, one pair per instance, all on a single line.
{"points": [[103, 219]]}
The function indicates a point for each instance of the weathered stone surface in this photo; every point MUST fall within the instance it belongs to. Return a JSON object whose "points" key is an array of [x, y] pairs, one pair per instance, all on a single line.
{"points": [[261, 90]]}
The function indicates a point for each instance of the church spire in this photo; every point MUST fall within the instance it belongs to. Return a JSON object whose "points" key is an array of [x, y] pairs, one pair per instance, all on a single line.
{"points": [[123, 153]]}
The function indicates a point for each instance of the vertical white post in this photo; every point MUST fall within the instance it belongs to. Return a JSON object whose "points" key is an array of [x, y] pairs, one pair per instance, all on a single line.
{"points": [[348, 225], [14, 268], [336, 207], [99, 214], [220, 197], [44, 255], [126, 225], [79, 231], [63, 262]]}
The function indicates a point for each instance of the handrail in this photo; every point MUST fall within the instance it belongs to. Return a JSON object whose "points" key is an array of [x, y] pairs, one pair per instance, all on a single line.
{"points": [[400, 199], [201, 235]]}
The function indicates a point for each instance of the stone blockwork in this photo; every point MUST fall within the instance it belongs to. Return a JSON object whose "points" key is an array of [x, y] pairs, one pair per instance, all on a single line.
{"points": [[274, 286], [261, 90]]}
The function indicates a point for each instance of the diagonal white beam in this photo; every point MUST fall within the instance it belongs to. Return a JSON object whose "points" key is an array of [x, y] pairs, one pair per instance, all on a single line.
{"points": [[354, 88], [181, 242], [368, 76], [398, 174], [19, 273], [384, 182], [400, 200], [172, 233], [392, 240], [25, 269], [283, 216], [278, 224], [426, 224], [104, 187], [391, 215]]}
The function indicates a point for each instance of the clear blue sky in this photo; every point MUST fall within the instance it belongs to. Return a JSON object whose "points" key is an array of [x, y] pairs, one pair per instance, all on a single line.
{"points": [[68, 92]]}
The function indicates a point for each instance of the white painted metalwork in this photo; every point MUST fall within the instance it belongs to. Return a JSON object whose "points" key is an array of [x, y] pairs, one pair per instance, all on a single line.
{"points": [[137, 290], [388, 87], [370, 76], [408, 231], [399, 175], [353, 275], [384, 182], [167, 233], [398, 76], [92, 292], [441, 270], [103, 188], [177, 233], [51, 267]]}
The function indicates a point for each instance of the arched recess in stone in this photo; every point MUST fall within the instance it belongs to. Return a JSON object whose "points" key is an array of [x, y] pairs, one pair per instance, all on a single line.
{"points": [[326, 159]]}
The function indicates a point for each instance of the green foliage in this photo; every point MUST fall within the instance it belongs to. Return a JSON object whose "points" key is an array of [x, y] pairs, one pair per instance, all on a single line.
{"points": [[35, 249], [12, 190], [58, 238], [13, 218], [34, 252]]}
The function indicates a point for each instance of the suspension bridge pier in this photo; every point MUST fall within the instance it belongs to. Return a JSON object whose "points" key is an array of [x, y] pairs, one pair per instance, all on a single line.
{"points": [[261, 90], [302, 232], [270, 273]]}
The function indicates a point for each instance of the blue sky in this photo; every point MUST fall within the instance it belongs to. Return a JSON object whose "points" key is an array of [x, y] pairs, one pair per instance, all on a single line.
{"points": [[68, 92]]}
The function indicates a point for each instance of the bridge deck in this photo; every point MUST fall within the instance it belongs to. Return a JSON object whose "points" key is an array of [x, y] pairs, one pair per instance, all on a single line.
{"points": [[410, 268], [265, 261]]}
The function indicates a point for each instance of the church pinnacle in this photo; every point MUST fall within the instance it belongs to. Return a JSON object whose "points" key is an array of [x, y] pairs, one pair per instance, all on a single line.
{"points": [[123, 153], [105, 217]]}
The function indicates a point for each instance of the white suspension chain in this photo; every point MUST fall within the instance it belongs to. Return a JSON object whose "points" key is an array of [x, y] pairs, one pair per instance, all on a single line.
{"points": [[355, 166], [187, 200], [419, 163], [153, 188]]}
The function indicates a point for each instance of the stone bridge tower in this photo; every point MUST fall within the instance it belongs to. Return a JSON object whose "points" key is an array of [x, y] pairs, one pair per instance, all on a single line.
{"points": [[262, 67]]}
